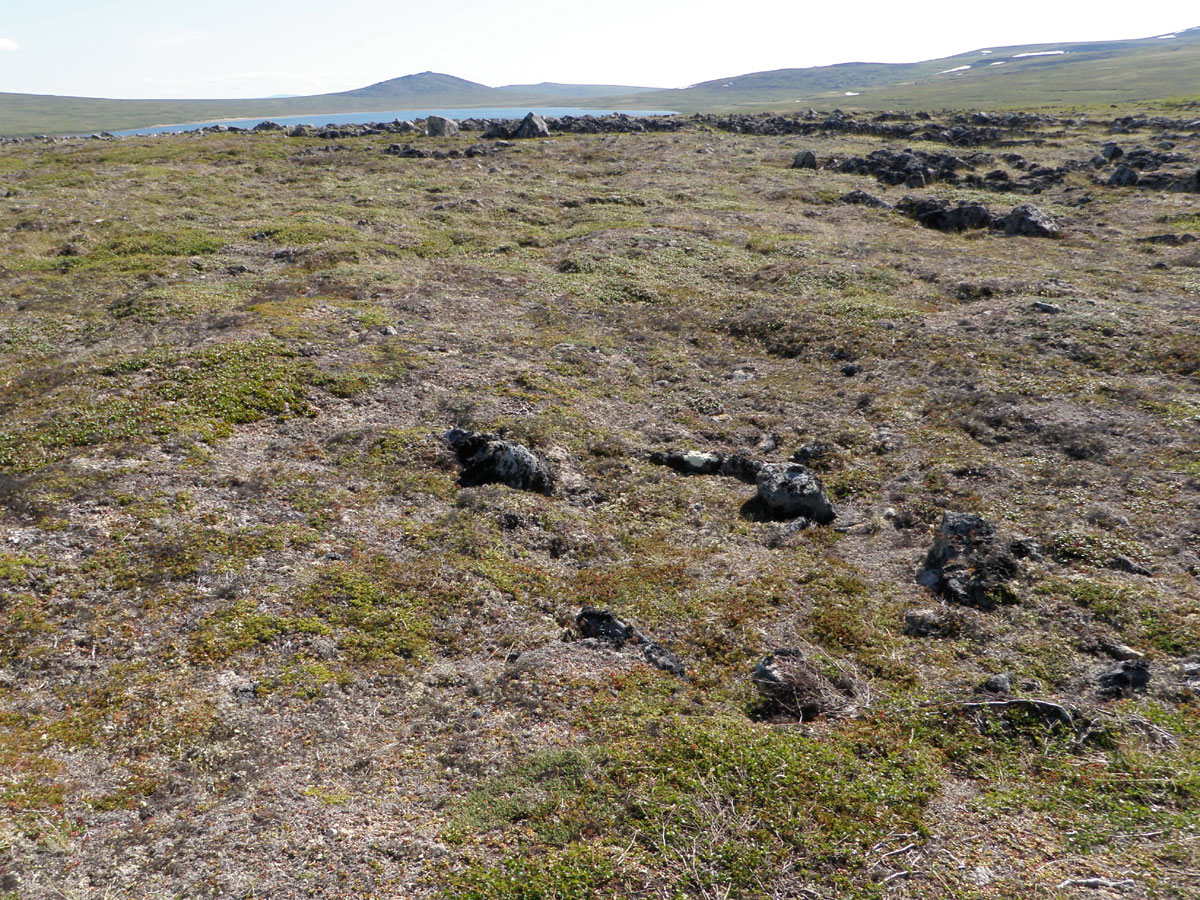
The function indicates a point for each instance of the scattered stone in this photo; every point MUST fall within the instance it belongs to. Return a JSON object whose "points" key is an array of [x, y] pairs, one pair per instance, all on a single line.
{"points": [[862, 198], [1119, 651], [789, 491], [440, 126], [805, 159], [1124, 177], [968, 564], [1027, 220], [1170, 240], [1111, 151], [1051, 308], [790, 684], [929, 623], [1125, 564], [532, 126], [997, 684], [602, 626], [1130, 675], [696, 462], [942, 215], [487, 459]]}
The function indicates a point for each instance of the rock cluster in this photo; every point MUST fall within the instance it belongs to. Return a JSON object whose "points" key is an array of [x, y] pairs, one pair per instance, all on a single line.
{"points": [[941, 215], [785, 490]]}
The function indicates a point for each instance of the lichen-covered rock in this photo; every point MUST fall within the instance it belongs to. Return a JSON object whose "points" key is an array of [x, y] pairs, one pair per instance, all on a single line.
{"points": [[487, 459], [790, 491], [968, 564], [601, 625], [1028, 221]]}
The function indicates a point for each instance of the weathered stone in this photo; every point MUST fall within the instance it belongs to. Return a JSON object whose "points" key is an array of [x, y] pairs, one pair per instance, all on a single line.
{"points": [[440, 126], [489, 460], [1029, 221], [862, 198], [805, 159], [789, 491], [968, 564], [601, 625], [1131, 675], [532, 126]]}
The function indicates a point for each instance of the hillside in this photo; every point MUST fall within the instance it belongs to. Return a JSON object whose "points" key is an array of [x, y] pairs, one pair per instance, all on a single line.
{"points": [[1084, 73], [1025, 75], [619, 516]]}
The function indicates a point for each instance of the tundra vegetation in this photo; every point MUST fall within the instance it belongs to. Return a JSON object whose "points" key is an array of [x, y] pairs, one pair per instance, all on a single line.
{"points": [[259, 641]]}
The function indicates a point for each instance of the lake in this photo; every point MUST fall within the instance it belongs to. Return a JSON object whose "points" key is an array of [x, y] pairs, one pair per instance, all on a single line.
{"points": [[514, 112]]}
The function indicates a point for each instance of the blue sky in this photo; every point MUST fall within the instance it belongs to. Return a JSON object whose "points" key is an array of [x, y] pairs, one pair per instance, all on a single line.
{"points": [[247, 48]]}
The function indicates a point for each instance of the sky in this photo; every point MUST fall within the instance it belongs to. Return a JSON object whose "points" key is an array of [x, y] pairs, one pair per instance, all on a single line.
{"points": [[257, 48]]}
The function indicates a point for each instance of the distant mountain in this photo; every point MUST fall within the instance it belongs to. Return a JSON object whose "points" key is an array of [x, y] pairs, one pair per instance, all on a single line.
{"points": [[1154, 68], [1099, 71]]}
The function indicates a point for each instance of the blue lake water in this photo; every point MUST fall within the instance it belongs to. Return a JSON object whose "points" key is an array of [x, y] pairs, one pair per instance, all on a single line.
{"points": [[513, 112]]}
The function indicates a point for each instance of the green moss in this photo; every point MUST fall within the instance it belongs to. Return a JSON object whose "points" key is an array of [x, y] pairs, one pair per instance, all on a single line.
{"points": [[712, 803]]}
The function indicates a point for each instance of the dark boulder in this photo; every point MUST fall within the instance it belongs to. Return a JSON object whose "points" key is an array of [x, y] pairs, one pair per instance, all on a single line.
{"points": [[1131, 675], [602, 626], [862, 198], [789, 491], [1124, 177], [1111, 151], [489, 460], [942, 215], [1027, 220], [805, 159], [969, 564]]}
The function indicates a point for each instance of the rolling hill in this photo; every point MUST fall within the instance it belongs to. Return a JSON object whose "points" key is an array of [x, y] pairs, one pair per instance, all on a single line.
{"points": [[1160, 67]]}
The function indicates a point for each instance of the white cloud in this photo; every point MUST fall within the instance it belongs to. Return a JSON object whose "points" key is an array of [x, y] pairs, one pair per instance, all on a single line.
{"points": [[9, 44]]}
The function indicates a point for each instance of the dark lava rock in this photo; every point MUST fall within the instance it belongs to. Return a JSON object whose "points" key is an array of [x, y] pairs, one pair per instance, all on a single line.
{"points": [[1124, 177], [968, 564], [1131, 675], [1111, 151], [862, 198], [805, 159], [1029, 221], [790, 684], [532, 126], [997, 684], [601, 625], [1125, 564], [406, 152], [789, 491], [489, 460], [696, 462], [1170, 240], [942, 215]]}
